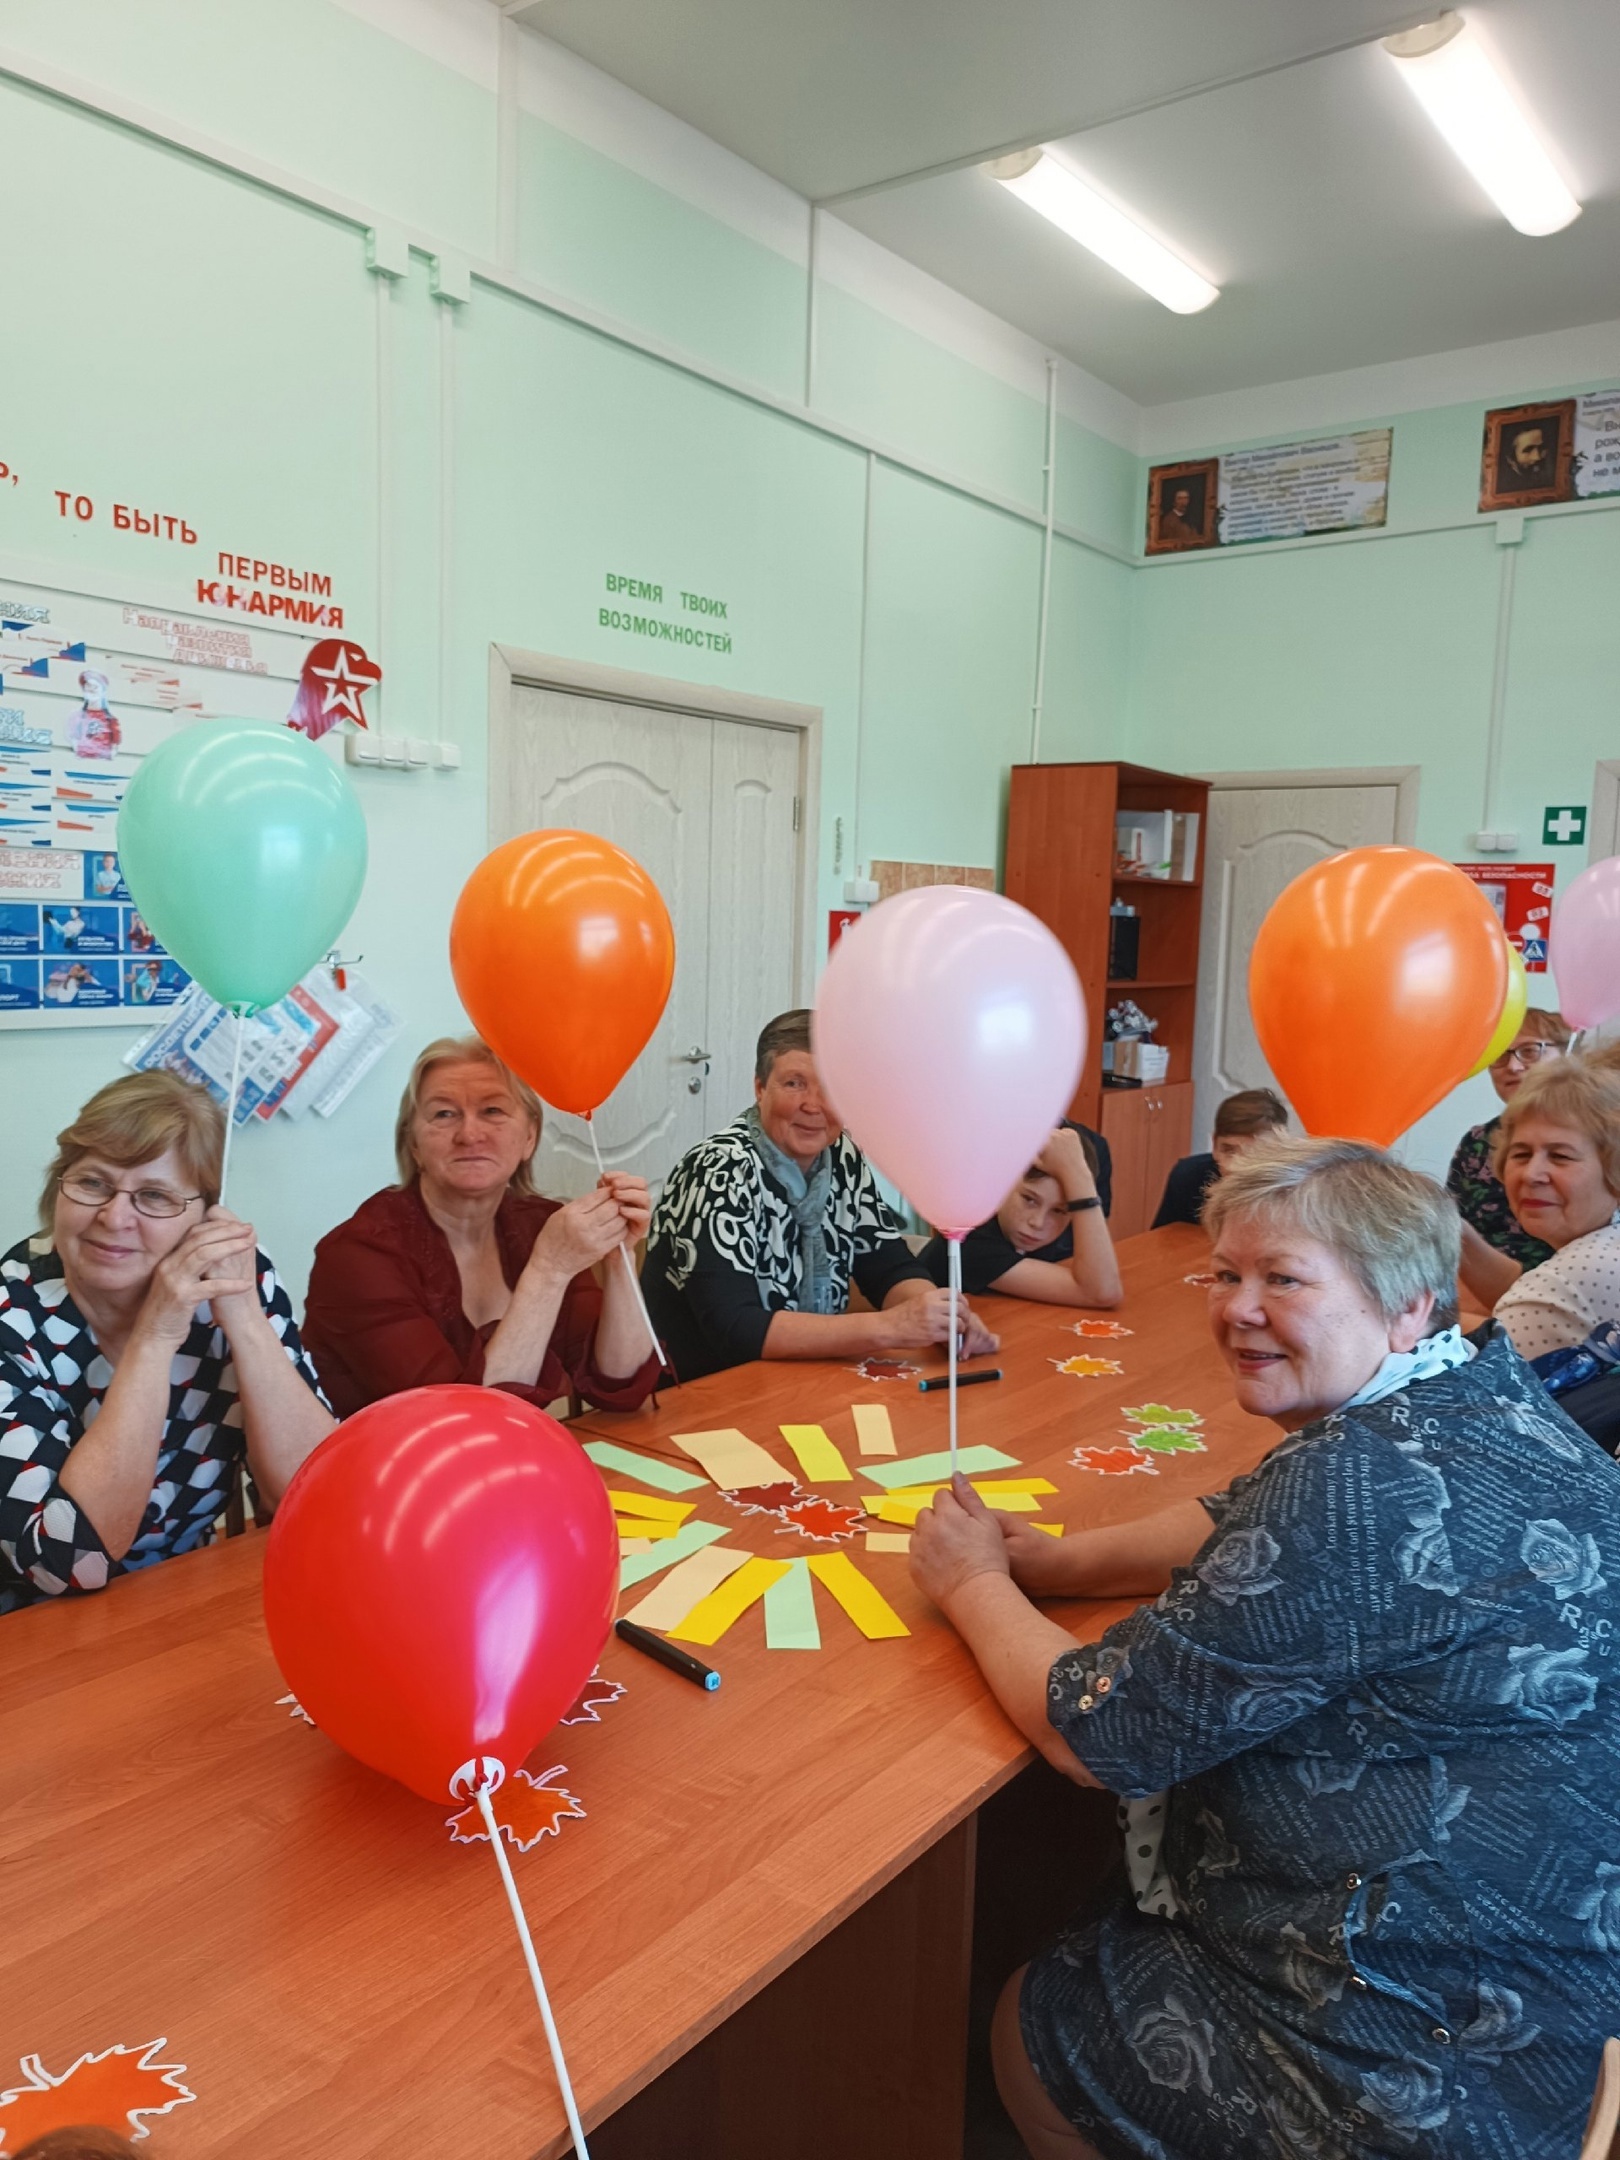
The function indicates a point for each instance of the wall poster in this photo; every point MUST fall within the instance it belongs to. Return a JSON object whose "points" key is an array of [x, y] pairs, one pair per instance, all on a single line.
{"points": [[1282, 491], [1562, 450], [1522, 895]]}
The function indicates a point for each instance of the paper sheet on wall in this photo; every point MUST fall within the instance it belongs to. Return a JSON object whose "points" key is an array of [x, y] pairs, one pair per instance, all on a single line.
{"points": [[790, 1611], [931, 1469], [709, 1620], [667, 1477], [868, 1608], [817, 1457], [731, 1459], [874, 1434], [690, 1538], [684, 1586]]}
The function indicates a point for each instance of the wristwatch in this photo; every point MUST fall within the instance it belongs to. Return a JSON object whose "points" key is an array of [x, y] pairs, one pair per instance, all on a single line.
{"points": [[1078, 1207]]}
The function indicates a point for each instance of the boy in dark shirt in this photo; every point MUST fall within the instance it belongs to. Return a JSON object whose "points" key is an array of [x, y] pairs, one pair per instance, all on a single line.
{"points": [[1049, 1239], [1253, 1114]]}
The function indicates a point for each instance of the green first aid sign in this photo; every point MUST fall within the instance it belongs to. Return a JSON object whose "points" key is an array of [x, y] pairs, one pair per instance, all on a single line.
{"points": [[1563, 825]]}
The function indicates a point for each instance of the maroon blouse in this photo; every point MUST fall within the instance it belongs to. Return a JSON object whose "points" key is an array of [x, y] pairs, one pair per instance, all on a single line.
{"points": [[384, 1310]]}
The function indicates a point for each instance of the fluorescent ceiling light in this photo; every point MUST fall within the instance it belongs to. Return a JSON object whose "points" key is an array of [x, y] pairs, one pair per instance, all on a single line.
{"points": [[1451, 75], [1075, 207]]}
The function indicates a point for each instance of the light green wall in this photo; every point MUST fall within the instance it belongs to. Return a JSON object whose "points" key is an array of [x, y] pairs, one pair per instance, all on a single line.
{"points": [[467, 476]]}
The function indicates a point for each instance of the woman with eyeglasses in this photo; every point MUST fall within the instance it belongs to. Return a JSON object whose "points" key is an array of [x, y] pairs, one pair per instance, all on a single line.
{"points": [[1489, 1224], [145, 1344]]}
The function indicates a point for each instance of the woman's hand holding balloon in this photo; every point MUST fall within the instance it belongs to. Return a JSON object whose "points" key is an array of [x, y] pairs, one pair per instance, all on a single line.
{"points": [[953, 1540], [579, 1234], [634, 1201], [914, 1322], [212, 1264]]}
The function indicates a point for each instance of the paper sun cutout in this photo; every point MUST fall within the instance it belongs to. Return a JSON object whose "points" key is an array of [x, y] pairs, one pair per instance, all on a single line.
{"points": [[1087, 1368], [526, 1810], [1101, 1327], [295, 1708], [884, 1368], [1112, 1462], [116, 2089], [594, 1697]]}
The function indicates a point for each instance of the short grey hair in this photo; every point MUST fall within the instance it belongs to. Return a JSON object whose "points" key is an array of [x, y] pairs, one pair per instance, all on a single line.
{"points": [[1397, 1231], [788, 1031]]}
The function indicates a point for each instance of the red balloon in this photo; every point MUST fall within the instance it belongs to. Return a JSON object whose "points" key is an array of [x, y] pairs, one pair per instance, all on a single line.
{"points": [[439, 1581], [563, 953]]}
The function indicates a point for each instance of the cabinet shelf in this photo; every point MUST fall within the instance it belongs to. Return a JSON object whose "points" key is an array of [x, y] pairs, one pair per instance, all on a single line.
{"points": [[1156, 982]]}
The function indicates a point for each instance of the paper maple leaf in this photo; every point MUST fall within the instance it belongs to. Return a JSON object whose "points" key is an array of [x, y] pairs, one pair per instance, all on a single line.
{"points": [[1158, 1413], [115, 2089], [1101, 1327], [526, 1810], [884, 1368], [814, 1517], [1168, 1440], [1200, 1281], [594, 1697], [1112, 1462], [1087, 1368], [765, 1499], [294, 1708]]}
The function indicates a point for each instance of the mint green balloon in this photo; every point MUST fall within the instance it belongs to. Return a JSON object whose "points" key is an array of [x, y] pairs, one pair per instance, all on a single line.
{"points": [[245, 849]]}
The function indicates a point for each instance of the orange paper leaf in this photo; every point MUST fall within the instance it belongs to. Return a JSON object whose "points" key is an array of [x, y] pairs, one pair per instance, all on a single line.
{"points": [[1112, 1462], [1087, 1368], [594, 1697], [114, 2089], [526, 1810], [814, 1517], [1101, 1327]]}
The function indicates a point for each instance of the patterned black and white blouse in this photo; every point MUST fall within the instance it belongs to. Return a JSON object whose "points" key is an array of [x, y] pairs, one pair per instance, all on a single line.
{"points": [[723, 1250], [52, 1381]]}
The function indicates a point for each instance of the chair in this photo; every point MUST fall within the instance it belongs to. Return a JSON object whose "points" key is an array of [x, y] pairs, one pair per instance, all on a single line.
{"points": [[1602, 2140]]}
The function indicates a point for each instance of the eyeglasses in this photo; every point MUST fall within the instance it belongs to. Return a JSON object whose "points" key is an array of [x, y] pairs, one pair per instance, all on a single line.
{"points": [[88, 1190], [1526, 1053]]}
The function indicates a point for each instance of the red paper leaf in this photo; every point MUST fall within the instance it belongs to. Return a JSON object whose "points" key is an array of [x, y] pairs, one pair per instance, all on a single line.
{"points": [[526, 1810], [826, 1519], [115, 2089], [594, 1697], [1112, 1462], [766, 1499], [883, 1368]]}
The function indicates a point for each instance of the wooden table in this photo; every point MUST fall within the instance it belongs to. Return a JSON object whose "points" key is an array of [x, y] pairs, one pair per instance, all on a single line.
{"points": [[180, 1857]]}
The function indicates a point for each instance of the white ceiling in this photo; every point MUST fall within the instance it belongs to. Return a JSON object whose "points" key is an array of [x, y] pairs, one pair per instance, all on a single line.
{"points": [[1267, 140]]}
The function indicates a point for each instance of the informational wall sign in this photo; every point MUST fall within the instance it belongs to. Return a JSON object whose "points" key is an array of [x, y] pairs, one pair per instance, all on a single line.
{"points": [[88, 685], [1522, 895], [1561, 450], [650, 608], [1283, 491], [1563, 825]]}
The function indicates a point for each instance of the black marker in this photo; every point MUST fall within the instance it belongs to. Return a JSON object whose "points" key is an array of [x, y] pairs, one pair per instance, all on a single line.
{"points": [[964, 1379], [689, 1668]]}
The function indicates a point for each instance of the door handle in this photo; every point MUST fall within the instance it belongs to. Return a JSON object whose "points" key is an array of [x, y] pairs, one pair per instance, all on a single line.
{"points": [[694, 1056]]}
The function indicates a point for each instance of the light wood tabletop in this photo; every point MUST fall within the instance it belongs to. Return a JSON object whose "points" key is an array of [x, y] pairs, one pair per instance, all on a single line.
{"points": [[182, 1858]]}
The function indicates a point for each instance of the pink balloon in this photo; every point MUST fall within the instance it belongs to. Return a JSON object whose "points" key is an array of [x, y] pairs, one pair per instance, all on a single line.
{"points": [[949, 1035], [1584, 950]]}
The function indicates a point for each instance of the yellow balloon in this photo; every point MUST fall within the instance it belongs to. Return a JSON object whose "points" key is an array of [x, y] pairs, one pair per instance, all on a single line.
{"points": [[1513, 1011]]}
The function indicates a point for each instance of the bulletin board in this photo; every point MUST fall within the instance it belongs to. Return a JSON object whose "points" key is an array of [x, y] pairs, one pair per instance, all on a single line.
{"points": [[90, 682]]}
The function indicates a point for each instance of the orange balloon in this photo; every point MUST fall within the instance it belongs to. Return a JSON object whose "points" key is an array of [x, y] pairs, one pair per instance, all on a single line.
{"points": [[1375, 982], [563, 953]]}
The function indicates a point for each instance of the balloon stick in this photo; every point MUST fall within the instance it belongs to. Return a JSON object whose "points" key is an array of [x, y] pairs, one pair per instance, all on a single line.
{"points": [[629, 1263], [238, 1022], [954, 1247], [581, 2150]]}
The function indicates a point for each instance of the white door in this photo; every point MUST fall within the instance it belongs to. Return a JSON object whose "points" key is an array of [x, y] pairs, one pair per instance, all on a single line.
{"points": [[1260, 839], [708, 807]]}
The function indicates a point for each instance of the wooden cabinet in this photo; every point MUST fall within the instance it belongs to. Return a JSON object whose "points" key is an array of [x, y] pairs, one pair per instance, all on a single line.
{"points": [[1061, 866], [1148, 1130]]}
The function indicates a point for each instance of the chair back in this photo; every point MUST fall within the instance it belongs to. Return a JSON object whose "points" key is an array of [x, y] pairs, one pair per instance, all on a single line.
{"points": [[1602, 2140]]}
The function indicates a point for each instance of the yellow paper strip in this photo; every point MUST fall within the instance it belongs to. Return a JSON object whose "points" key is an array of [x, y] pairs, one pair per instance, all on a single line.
{"points": [[984, 1487], [629, 1527], [873, 1432], [732, 1459], [686, 1585], [649, 1507], [868, 1608], [818, 1458], [1052, 1529], [906, 1507], [708, 1620], [888, 1541]]}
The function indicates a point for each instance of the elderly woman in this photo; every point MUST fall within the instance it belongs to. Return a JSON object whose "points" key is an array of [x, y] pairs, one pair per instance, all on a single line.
{"points": [[1472, 1180], [762, 1226], [462, 1272], [1368, 1731], [145, 1345], [1557, 1152]]}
